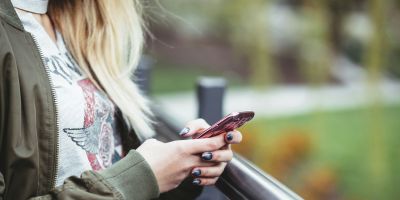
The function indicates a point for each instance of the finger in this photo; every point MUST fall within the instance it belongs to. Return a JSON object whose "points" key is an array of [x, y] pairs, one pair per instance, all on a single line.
{"points": [[194, 127], [218, 156], [205, 181], [233, 137], [197, 161], [226, 146], [203, 145], [209, 172]]}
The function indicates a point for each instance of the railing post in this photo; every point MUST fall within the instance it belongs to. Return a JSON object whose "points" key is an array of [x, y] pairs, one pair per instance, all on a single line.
{"points": [[210, 96], [142, 76]]}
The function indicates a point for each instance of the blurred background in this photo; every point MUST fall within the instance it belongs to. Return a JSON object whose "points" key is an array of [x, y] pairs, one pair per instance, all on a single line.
{"points": [[322, 76]]}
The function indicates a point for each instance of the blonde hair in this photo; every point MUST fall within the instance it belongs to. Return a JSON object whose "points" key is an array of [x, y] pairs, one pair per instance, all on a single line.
{"points": [[106, 37]]}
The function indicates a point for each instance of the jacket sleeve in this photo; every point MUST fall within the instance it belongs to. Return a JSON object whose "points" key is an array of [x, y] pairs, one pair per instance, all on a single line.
{"points": [[129, 178]]}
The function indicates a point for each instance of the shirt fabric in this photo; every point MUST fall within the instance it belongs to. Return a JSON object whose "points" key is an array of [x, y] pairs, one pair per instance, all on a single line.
{"points": [[88, 136]]}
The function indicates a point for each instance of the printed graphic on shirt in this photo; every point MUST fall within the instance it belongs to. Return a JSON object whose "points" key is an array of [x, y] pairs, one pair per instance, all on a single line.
{"points": [[97, 135], [63, 65]]}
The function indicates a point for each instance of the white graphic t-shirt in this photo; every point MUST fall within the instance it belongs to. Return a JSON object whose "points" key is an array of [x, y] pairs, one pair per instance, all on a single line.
{"points": [[88, 139]]}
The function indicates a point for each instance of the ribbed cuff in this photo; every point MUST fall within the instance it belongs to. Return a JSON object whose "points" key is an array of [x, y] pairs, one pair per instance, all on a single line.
{"points": [[132, 177]]}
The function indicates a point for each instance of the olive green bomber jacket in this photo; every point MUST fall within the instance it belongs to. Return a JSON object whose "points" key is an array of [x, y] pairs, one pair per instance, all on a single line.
{"points": [[28, 132]]}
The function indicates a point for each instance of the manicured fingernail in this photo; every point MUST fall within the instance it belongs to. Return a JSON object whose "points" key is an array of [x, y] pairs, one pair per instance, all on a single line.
{"points": [[229, 136], [206, 156], [184, 131], [196, 181], [196, 172]]}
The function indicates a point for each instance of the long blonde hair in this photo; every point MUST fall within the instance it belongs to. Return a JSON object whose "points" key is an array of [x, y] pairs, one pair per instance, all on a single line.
{"points": [[106, 37]]}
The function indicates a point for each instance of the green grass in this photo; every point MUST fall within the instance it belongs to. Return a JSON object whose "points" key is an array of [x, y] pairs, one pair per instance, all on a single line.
{"points": [[362, 146]]}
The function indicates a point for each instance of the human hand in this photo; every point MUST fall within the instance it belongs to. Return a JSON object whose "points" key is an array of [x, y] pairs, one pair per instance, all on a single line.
{"points": [[208, 175], [172, 162]]}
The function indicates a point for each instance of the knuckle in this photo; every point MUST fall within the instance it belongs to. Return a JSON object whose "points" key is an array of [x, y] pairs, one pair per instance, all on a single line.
{"points": [[182, 176], [239, 138], [205, 181], [216, 156], [188, 166], [236, 131], [221, 168], [199, 123], [148, 141], [179, 147], [215, 180], [189, 124], [230, 155], [201, 120], [202, 123], [153, 141], [195, 121], [216, 173], [205, 172], [220, 171], [191, 163], [213, 145]]}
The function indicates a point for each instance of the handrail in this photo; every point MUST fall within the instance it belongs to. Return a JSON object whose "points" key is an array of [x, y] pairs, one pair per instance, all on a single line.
{"points": [[253, 183], [241, 179]]}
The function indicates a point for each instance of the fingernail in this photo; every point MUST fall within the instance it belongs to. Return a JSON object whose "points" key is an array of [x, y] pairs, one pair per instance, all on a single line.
{"points": [[229, 136], [196, 181], [184, 131], [206, 156], [196, 172]]}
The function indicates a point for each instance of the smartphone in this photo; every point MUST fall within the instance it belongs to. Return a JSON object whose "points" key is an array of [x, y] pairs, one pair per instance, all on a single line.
{"points": [[226, 124]]}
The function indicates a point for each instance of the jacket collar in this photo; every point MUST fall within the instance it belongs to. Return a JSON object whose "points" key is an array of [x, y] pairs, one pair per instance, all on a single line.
{"points": [[8, 14]]}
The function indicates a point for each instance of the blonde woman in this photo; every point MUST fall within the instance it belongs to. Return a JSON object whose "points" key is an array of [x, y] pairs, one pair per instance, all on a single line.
{"points": [[70, 117]]}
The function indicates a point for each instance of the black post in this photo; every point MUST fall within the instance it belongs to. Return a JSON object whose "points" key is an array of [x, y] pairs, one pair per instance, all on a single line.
{"points": [[143, 74], [210, 96]]}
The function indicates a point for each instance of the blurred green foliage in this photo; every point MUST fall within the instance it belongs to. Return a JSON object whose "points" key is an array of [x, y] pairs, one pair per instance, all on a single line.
{"points": [[297, 149]]}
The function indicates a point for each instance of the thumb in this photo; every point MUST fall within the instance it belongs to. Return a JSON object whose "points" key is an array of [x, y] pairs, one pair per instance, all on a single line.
{"points": [[193, 127]]}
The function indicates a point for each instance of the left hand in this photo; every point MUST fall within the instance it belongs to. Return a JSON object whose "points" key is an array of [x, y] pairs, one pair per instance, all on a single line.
{"points": [[219, 158]]}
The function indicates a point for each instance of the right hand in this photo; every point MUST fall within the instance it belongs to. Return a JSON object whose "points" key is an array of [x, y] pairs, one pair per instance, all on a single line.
{"points": [[172, 162]]}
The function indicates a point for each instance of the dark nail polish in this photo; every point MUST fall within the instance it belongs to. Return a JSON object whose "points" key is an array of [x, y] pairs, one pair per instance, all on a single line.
{"points": [[207, 156], [196, 181], [184, 131], [229, 136], [196, 172]]}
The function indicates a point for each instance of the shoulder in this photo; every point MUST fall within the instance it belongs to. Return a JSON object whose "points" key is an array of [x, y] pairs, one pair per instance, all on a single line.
{"points": [[5, 45], [8, 16], [8, 38], [11, 34]]}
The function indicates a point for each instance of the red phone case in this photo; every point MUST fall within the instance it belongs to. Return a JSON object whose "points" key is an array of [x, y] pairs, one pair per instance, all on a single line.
{"points": [[226, 124]]}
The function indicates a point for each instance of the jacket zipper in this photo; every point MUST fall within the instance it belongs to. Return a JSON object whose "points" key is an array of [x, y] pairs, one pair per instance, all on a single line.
{"points": [[55, 103]]}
